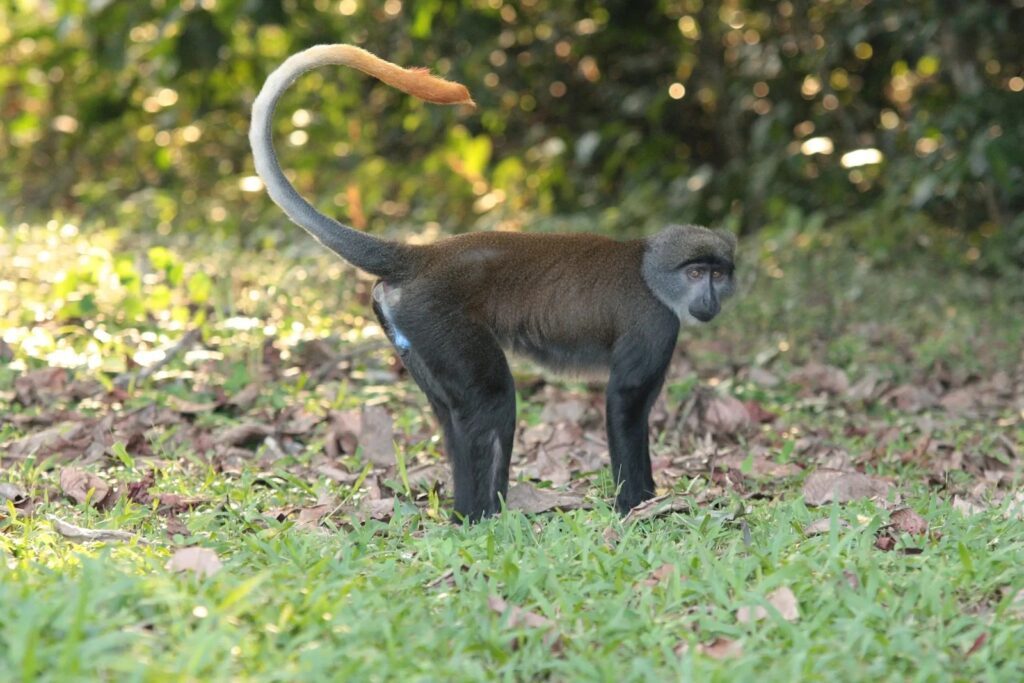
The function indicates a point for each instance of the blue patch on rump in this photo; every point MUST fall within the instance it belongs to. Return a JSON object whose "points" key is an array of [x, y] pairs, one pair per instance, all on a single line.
{"points": [[400, 341]]}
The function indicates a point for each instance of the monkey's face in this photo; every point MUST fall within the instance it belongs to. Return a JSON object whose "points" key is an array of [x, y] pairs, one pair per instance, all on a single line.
{"points": [[690, 269], [708, 284]]}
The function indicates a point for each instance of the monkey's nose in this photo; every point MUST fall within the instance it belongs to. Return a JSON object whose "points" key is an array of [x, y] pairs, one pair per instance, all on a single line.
{"points": [[703, 313]]}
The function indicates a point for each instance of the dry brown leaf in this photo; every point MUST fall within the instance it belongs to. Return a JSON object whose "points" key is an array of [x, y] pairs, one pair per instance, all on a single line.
{"points": [[247, 434], [910, 399], [517, 616], [175, 527], [827, 486], [188, 407], [377, 436], [203, 562], [978, 643], [823, 526], [81, 486], [724, 414], [40, 386], [429, 476], [885, 542], [867, 389], [13, 493], [47, 441], [310, 517], [527, 498], [908, 521], [966, 506], [174, 503], [817, 378], [760, 466], [343, 434], [721, 648], [571, 410], [657, 507], [782, 599], [962, 401], [662, 575], [553, 457], [762, 377], [244, 399], [758, 414]]}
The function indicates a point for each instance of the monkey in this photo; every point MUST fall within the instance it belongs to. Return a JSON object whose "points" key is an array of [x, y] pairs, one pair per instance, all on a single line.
{"points": [[571, 302]]}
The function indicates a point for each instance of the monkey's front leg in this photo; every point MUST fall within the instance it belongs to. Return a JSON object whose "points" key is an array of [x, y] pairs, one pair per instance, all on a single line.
{"points": [[636, 378]]}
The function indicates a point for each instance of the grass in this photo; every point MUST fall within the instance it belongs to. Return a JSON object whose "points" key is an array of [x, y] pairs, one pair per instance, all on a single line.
{"points": [[412, 597]]}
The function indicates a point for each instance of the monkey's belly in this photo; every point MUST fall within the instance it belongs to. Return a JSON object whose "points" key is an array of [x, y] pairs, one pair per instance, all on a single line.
{"points": [[565, 357]]}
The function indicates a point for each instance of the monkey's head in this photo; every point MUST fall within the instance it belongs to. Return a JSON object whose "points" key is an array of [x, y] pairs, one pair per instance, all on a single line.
{"points": [[689, 268]]}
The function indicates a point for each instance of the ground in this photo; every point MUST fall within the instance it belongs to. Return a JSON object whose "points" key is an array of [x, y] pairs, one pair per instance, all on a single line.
{"points": [[236, 480]]}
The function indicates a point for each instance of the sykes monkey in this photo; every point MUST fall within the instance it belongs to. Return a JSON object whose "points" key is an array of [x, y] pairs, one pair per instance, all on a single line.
{"points": [[570, 302]]}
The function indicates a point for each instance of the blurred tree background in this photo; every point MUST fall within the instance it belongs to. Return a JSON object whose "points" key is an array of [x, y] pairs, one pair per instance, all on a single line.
{"points": [[622, 114]]}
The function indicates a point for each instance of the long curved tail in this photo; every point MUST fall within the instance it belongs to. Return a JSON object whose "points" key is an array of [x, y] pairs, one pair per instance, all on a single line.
{"points": [[372, 254]]}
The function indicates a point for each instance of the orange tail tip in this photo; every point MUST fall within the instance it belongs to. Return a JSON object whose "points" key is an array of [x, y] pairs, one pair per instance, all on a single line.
{"points": [[418, 82]]}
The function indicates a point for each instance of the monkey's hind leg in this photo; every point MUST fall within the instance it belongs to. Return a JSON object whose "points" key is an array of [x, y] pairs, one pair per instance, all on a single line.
{"points": [[464, 373]]}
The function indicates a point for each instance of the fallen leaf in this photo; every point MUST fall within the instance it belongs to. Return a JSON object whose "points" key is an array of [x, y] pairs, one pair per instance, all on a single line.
{"points": [[908, 521], [785, 602], [962, 401], [910, 399], [721, 648], [782, 599], [967, 507], [13, 493], [823, 526], [662, 574], [81, 486], [187, 407], [310, 517], [527, 498], [827, 486], [724, 414], [40, 386], [245, 434], [867, 389], [517, 616], [343, 433], [429, 476], [817, 378], [244, 399], [759, 466], [175, 527], [757, 412], [885, 542], [658, 507], [377, 436], [979, 642], [174, 503], [48, 441], [571, 410], [764, 378], [82, 535], [203, 562]]}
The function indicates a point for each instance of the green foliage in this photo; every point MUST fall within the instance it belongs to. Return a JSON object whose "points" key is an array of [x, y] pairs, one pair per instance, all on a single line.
{"points": [[711, 111]]}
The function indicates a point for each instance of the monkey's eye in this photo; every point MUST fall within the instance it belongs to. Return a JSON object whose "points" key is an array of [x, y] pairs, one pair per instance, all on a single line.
{"points": [[695, 273], [717, 274]]}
